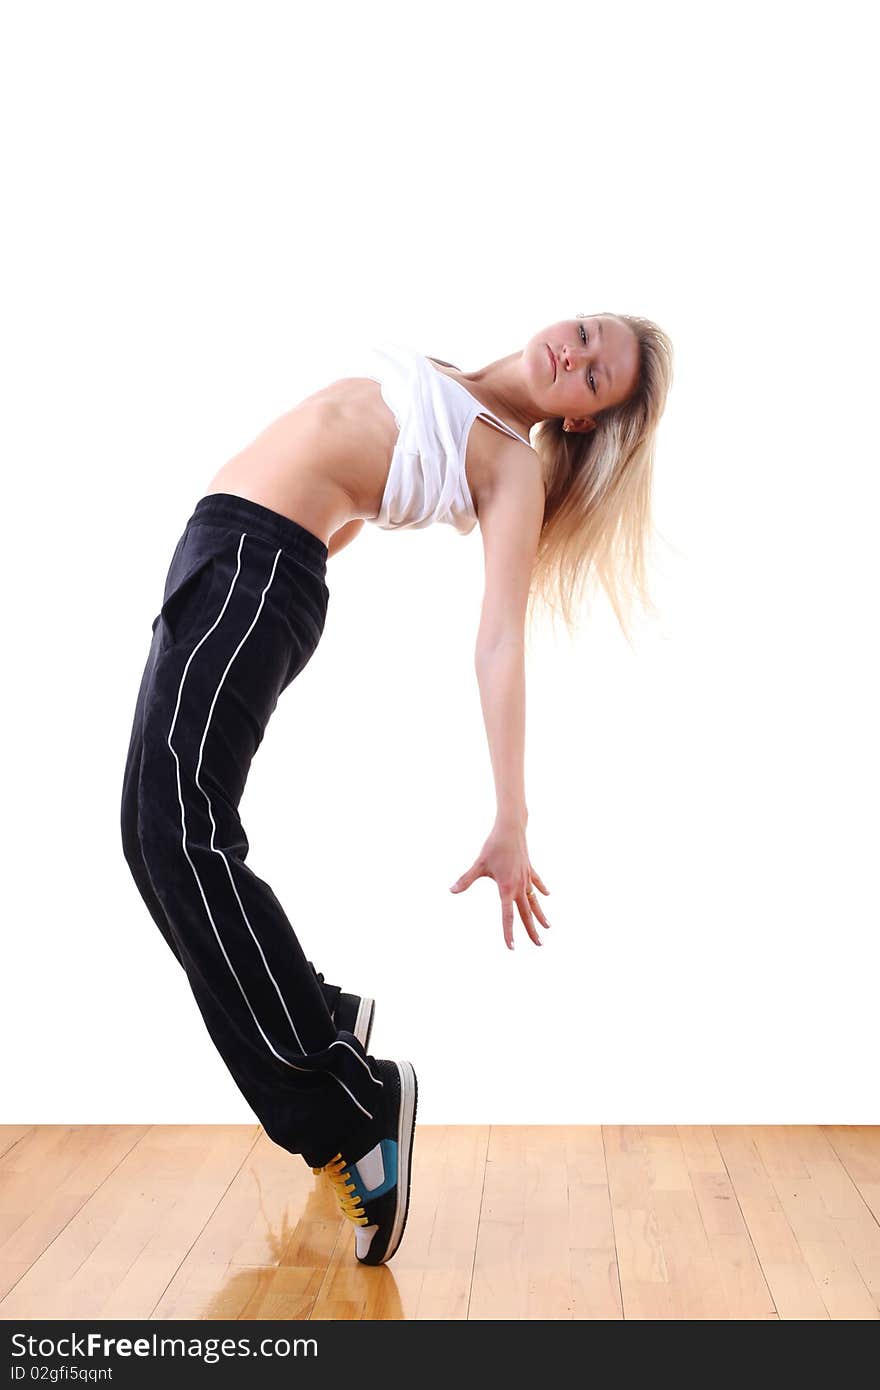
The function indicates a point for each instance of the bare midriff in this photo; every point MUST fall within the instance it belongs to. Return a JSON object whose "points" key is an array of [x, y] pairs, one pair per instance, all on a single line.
{"points": [[325, 462]]}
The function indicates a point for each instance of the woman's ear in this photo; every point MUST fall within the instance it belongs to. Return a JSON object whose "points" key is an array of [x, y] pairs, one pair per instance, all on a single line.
{"points": [[580, 426]]}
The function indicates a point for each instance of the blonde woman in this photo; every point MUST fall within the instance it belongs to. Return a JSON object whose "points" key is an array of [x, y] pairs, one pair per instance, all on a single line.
{"points": [[550, 451]]}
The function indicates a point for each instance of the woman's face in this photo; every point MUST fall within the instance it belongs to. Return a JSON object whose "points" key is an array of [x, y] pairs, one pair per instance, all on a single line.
{"points": [[581, 366]]}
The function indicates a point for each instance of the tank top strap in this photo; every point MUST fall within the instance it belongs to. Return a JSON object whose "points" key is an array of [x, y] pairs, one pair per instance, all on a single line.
{"points": [[485, 414]]}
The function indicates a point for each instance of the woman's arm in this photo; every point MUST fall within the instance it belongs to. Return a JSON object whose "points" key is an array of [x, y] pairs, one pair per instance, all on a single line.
{"points": [[510, 523], [510, 520], [502, 680]]}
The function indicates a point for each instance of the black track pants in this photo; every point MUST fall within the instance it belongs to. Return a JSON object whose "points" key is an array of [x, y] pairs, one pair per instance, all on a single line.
{"points": [[244, 608]]}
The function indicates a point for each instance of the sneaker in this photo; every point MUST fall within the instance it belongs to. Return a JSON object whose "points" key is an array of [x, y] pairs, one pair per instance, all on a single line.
{"points": [[373, 1190], [349, 1011], [354, 1013]]}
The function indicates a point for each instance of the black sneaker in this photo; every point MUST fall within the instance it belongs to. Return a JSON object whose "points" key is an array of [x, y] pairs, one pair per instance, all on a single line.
{"points": [[349, 1011], [373, 1190], [354, 1013]]}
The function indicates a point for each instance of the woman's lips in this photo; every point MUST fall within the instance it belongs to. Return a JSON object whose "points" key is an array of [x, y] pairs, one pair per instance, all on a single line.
{"points": [[552, 359]]}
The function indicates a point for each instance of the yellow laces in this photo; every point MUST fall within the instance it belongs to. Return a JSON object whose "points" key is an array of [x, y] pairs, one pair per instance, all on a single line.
{"points": [[347, 1197]]}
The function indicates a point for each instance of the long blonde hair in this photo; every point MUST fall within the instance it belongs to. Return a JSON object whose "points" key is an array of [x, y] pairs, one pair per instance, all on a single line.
{"points": [[597, 512]]}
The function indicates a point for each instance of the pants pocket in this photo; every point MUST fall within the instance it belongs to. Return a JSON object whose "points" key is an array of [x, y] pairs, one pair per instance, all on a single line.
{"points": [[189, 581]]}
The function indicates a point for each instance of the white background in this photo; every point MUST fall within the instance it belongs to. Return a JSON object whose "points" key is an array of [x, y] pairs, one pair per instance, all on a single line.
{"points": [[208, 207]]}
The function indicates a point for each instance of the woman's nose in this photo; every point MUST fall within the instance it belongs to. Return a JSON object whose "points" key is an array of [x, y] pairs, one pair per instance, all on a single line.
{"points": [[573, 354]]}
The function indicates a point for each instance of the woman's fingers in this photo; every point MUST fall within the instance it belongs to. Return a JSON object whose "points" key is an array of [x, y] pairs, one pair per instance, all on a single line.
{"points": [[533, 901], [467, 878], [538, 880], [536, 908], [507, 920], [522, 904]]}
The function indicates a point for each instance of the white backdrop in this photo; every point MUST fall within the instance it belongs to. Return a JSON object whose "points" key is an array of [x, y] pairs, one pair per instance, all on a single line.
{"points": [[208, 206]]}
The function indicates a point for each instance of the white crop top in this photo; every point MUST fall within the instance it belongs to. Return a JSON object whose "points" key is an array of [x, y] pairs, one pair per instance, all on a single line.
{"points": [[434, 413]]}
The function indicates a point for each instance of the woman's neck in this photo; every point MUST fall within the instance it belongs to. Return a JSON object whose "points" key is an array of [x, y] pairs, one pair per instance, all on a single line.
{"points": [[498, 385]]}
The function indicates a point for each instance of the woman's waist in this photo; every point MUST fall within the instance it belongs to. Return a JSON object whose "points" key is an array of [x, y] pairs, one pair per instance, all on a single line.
{"points": [[323, 464]]}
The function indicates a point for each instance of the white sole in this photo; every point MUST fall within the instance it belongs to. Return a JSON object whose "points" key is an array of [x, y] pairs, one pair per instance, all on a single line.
{"points": [[404, 1127], [362, 1021]]}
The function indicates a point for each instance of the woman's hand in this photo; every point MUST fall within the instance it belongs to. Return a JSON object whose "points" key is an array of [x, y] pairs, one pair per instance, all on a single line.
{"points": [[505, 858]]}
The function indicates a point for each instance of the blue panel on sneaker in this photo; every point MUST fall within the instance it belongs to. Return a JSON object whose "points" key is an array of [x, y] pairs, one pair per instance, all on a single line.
{"points": [[377, 1170]]}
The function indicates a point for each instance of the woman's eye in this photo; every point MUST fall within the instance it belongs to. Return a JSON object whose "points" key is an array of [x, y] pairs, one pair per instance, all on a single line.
{"points": [[583, 333]]}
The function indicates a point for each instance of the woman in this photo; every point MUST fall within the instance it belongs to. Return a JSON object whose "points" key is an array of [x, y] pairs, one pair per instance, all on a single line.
{"points": [[410, 441]]}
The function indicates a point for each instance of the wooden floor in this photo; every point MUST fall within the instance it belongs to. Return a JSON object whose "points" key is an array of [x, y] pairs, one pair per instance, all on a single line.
{"points": [[164, 1221]]}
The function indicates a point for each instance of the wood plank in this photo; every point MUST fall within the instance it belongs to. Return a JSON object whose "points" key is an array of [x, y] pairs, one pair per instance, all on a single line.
{"points": [[500, 1282], [858, 1148], [447, 1194], [545, 1241], [10, 1135], [45, 1180], [644, 1277], [595, 1282], [784, 1267], [124, 1242]]}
